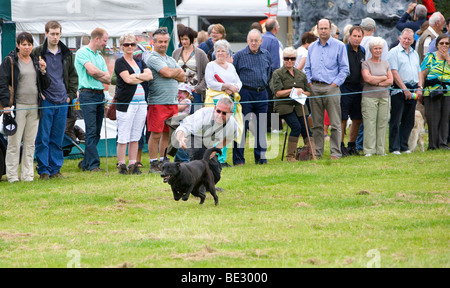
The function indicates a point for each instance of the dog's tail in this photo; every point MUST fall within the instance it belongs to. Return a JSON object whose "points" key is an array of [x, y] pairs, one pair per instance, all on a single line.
{"points": [[209, 151]]}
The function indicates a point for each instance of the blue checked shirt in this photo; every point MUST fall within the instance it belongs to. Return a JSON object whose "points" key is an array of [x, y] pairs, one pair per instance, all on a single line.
{"points": [[327, 63], [253, 69], [406, 64]]}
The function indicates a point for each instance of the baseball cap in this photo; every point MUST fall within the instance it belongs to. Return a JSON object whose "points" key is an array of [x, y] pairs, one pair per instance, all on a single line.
{"points": [[185, 87], [9, 125], [140, 33]]}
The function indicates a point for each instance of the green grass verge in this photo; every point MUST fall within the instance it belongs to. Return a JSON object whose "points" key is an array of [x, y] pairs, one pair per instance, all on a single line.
{"points": [[389, 211]]}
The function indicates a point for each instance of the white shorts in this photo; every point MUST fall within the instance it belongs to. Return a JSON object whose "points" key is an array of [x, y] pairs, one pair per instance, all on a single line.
{"points": [[131, 123]]}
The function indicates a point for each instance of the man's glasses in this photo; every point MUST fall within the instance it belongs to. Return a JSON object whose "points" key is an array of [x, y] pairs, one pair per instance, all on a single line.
{"points": [[222, 112], [129, 44], [290, 58], [161, 31]]}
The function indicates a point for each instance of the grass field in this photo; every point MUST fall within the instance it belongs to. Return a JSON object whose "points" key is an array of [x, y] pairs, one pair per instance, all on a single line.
{"points": [[390, 211]]}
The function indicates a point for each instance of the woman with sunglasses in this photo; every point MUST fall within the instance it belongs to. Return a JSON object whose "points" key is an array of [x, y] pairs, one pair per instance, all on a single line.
{"points": [[282, 82], [193, 61], [435, 77], [132, 87]]}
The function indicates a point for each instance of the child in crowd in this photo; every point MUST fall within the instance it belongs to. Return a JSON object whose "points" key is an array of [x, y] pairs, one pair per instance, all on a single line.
{"points": [[185, 98]]}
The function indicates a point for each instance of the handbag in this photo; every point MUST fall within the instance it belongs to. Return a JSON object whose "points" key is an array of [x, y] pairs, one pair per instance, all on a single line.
{"points": [[436, 94], [11, 88], [111, 110]]}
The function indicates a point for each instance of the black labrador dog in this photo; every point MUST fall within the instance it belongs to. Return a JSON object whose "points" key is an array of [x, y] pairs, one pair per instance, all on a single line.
{"points": [[187, 178]]}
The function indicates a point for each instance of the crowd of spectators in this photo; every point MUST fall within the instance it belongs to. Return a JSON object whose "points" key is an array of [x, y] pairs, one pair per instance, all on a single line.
{"points": [[359, 78]]}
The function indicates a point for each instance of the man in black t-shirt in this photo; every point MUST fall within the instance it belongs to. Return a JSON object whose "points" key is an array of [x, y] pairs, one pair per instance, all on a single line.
{"points": [[351, 91]]}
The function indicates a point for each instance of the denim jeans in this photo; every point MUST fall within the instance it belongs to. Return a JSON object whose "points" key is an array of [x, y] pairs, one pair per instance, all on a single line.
{"points": [[197, 102], [93, 119], [259, 108], [181, 156], [297, 125], [50, 137], [360, 138]]}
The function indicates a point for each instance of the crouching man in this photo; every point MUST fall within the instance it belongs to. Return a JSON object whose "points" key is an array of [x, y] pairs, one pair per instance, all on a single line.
{"points": [[206, 128]]}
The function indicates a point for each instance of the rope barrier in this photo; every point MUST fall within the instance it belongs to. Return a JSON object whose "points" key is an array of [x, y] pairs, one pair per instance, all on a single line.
{"points": [[194, 104]]}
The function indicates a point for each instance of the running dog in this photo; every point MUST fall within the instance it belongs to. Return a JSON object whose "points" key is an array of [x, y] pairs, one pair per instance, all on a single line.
{"points": [[417, 133], [187, 178]]}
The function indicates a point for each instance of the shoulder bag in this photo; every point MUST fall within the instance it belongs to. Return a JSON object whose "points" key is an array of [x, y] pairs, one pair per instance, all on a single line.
{"points": [[11, 88], [111, 110]]}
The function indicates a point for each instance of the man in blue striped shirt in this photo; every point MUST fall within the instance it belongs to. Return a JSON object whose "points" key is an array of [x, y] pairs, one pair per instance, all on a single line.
{"points": [[253, 65], [405, 66], [326, 69]]}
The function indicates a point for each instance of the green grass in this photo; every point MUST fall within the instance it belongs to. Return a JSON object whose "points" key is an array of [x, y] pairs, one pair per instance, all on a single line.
{"points": [[311, 214]]}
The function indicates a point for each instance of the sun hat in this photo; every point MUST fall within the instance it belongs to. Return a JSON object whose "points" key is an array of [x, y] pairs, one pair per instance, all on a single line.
{"points": [[9, 125], [185, 87]]}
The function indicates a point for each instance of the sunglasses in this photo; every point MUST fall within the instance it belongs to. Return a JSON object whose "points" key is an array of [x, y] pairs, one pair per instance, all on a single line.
{"points": [[222, 112], [160, 31], [129, 44], [290, 58], [444, 43]]}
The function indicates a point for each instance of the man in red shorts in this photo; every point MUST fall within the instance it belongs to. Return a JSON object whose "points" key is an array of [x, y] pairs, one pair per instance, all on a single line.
{"points": [[162, 97]]}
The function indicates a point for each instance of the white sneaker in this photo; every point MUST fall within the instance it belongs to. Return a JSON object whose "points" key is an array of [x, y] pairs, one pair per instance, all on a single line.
{"points": [[275, 131], [396, 153], [407, 152], [368, 155]]}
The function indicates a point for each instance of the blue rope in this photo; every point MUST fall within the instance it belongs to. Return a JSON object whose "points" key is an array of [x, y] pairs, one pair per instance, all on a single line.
{"points": [[241, 102]]}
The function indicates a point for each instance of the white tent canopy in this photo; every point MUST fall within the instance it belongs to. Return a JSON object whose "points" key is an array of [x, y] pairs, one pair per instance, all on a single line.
{"points": [[115, 28], [80, 17], [85, 10], [236, 8]]}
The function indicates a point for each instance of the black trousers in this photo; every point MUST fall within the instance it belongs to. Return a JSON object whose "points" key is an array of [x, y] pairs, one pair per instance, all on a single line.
{"points": [[214, 164], [401, 123], [270, 106], [438, 121]]}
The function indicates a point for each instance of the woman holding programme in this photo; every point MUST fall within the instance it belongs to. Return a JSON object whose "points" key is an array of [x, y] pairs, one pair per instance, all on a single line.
{"points": [[282, 82], [132, 87]]}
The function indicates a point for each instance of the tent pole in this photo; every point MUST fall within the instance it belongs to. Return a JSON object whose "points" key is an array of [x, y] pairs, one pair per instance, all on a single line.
{"points": [[106, 142]]}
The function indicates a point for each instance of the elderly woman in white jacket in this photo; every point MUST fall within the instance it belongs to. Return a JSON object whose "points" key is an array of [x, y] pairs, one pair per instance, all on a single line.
{"points": [[221, 78]]}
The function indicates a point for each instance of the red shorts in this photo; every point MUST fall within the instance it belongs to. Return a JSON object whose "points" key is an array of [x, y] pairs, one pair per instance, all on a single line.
{"points": [[156, 116], [326, 120]]}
